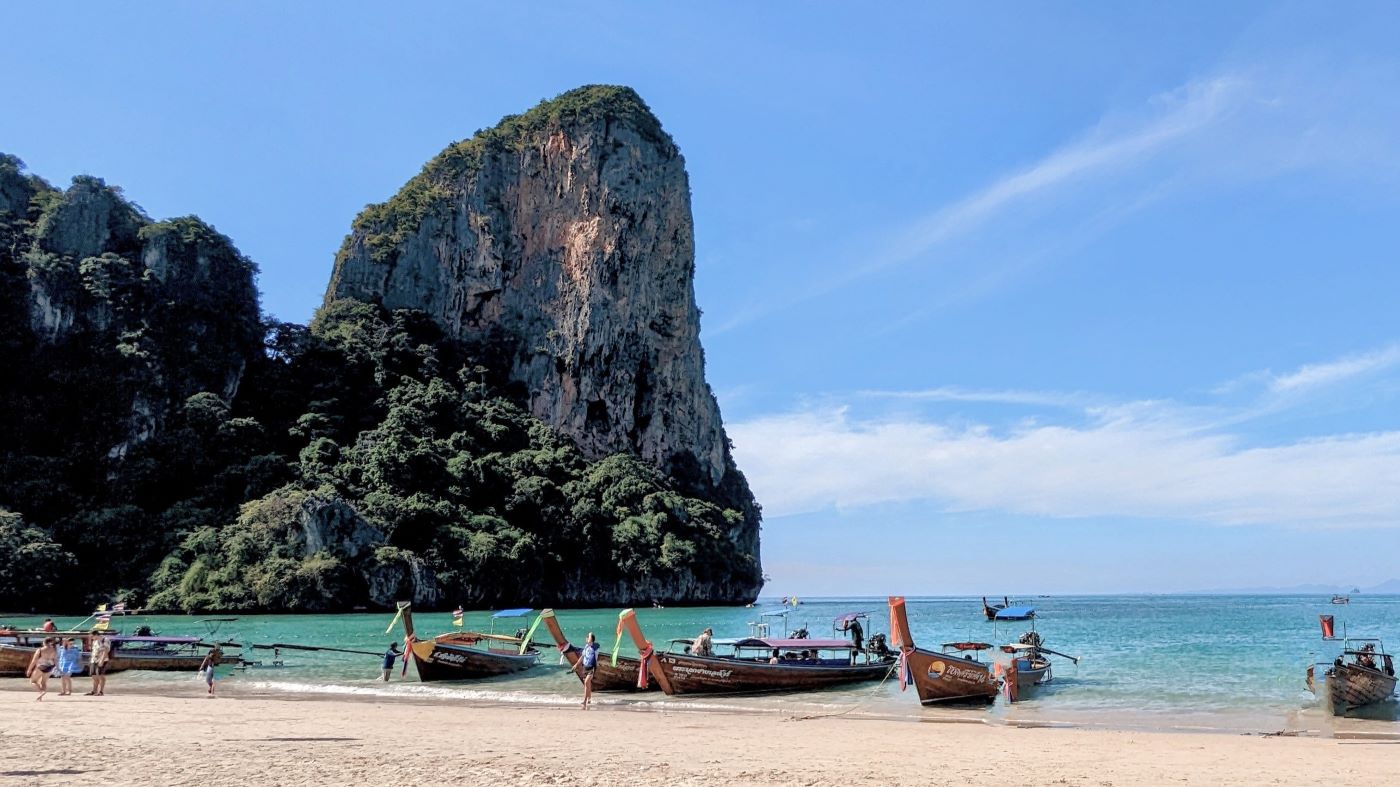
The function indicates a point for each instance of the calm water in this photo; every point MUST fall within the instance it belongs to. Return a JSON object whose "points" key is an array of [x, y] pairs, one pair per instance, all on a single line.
{"points": [[1230, 663]]}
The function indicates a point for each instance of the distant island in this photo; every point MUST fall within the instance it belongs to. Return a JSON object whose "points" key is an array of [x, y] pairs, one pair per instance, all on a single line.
{"points": [[501, 400]]}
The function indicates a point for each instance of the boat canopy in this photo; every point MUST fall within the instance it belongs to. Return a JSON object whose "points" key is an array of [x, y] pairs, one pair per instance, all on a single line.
{"points": [[850, 616], [775, 613], [512, 613], [794, 644], [716, 642], [1010, 613], [1019, 646]]}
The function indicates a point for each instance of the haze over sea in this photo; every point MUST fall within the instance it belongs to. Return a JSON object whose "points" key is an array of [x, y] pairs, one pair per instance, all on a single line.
{"points": [[1228, 663]]}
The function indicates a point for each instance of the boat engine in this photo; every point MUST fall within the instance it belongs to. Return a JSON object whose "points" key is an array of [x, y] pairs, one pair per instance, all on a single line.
{"points": [[1030, 638], [799, 634], [877, 645]]}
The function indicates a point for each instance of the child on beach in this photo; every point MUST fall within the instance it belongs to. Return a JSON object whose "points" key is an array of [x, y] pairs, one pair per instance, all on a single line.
{"points": [[206, 667], [588, 663], [70, 663]]}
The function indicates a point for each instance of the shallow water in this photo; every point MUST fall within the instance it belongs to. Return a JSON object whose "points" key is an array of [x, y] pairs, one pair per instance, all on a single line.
{"points": [[1213, 663]]}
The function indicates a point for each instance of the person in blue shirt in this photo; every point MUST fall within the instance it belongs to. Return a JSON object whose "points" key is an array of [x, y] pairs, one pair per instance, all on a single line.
{"points": [[587, 663], [70, 663], [390, 656]]}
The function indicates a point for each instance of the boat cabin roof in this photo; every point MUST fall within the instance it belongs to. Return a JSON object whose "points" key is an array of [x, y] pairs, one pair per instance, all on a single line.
{"points": [[768, 643], [513, 613], [775, 613], [1015, 612], [850, 616]]}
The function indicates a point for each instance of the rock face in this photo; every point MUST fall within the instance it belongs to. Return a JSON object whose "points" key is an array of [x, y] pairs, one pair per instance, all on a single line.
{"points": [[562, 240], [168, 309]]}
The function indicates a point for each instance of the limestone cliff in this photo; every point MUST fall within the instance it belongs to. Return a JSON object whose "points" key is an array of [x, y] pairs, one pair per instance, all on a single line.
{"points": [[165, 309], [562, 240]]}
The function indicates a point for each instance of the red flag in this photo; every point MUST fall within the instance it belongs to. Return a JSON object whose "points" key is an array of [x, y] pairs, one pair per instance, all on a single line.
{"points": [[1327, 630]]}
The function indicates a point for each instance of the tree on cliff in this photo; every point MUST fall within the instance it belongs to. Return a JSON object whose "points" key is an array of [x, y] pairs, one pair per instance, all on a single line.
{"points": [[162, 441]]}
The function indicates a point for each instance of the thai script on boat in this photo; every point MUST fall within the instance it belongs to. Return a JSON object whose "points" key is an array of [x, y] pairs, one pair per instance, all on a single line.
{"points": [[449, 656], [709, 673]]}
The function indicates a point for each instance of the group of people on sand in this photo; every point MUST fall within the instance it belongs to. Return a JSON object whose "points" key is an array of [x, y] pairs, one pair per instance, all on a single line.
{"points": [[62, 658]]}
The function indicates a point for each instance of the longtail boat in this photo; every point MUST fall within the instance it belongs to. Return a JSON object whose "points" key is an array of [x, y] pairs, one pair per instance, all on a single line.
{"points": [[1030, 664], [624, 675], [761, 665], [467, 655], [1362, 675], [161, 654], [948, 677]]}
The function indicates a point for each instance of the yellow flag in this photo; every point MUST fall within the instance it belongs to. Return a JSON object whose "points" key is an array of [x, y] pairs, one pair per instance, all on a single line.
{"points": [[103, 623], [529, 635], [393, 622], [101, 607]]}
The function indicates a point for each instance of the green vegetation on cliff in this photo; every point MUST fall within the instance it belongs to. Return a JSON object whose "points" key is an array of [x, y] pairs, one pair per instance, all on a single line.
{"points": [[162, 444]]}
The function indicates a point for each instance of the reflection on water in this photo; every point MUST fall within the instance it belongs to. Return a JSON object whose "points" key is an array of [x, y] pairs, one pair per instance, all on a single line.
{"points": [[1232, 663]]}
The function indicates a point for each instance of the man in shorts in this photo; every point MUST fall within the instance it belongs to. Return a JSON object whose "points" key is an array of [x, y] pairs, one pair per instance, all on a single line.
{"points": [[390, 656], [99, 654]]}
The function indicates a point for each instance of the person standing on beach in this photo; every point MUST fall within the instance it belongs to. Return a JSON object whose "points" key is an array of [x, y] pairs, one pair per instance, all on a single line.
{"points": [[206, 667], [390, 656], [99, 653], [588, 663], [42, 663], [70, 663]]}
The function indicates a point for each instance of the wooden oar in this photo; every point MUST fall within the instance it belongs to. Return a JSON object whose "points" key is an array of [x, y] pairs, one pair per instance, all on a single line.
{"points": [[1074, 659]]}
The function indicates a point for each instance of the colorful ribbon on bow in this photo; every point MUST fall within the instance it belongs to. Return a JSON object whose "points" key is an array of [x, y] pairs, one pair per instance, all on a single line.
{"points": [[644, 673], [906, 675]]}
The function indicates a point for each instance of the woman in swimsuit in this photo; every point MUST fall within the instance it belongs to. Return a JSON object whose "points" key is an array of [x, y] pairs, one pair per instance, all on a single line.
{"points": [[43, 661]]}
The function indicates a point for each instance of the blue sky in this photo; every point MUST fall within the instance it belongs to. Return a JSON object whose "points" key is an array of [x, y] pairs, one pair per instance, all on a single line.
{"points": [[1035, 298]]}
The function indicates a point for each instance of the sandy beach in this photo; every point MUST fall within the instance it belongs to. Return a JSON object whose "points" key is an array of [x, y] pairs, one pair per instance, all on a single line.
{"points": [[255, 740]]}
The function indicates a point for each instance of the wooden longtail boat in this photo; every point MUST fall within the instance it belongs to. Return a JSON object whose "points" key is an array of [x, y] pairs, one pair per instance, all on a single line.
{"points": [[625, 676], [1030, 663], [161, 654], [466, 655], [940, 677], [750, 669], [1364, 674]]}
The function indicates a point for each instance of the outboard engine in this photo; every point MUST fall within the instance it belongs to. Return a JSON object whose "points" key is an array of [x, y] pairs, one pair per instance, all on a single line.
{"points": [[877, 645]]}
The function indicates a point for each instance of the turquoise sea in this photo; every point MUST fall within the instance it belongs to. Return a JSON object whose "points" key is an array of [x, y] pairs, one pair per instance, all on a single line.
{"points": [[1212, 663]]}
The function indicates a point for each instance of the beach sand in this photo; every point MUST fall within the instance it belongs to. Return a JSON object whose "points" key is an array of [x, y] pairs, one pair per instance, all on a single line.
{"points": [[159, 740]]}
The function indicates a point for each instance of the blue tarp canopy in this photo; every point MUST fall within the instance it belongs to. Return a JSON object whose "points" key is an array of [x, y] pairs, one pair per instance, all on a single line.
{"points": [[513, 613], [1015, 613]]}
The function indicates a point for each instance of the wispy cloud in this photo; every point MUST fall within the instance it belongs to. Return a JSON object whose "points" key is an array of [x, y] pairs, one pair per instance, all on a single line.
{"points": [[1177, 115], [950, 393], [1319, 375], [1157, 460], [1113, 144]]}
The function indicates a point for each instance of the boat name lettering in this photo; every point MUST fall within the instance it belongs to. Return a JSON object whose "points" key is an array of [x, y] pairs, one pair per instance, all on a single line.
{"points": [[449, 656], [709, 673]]}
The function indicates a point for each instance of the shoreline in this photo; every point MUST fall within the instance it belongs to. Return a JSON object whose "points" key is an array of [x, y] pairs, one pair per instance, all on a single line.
{"points": [[300, 739], [416, 694]]}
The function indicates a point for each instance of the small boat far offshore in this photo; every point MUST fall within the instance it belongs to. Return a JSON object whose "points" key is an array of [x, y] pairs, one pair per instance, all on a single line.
{"points": [[1007, 610], [940, 677], [466, 655], [1341, 599]]}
